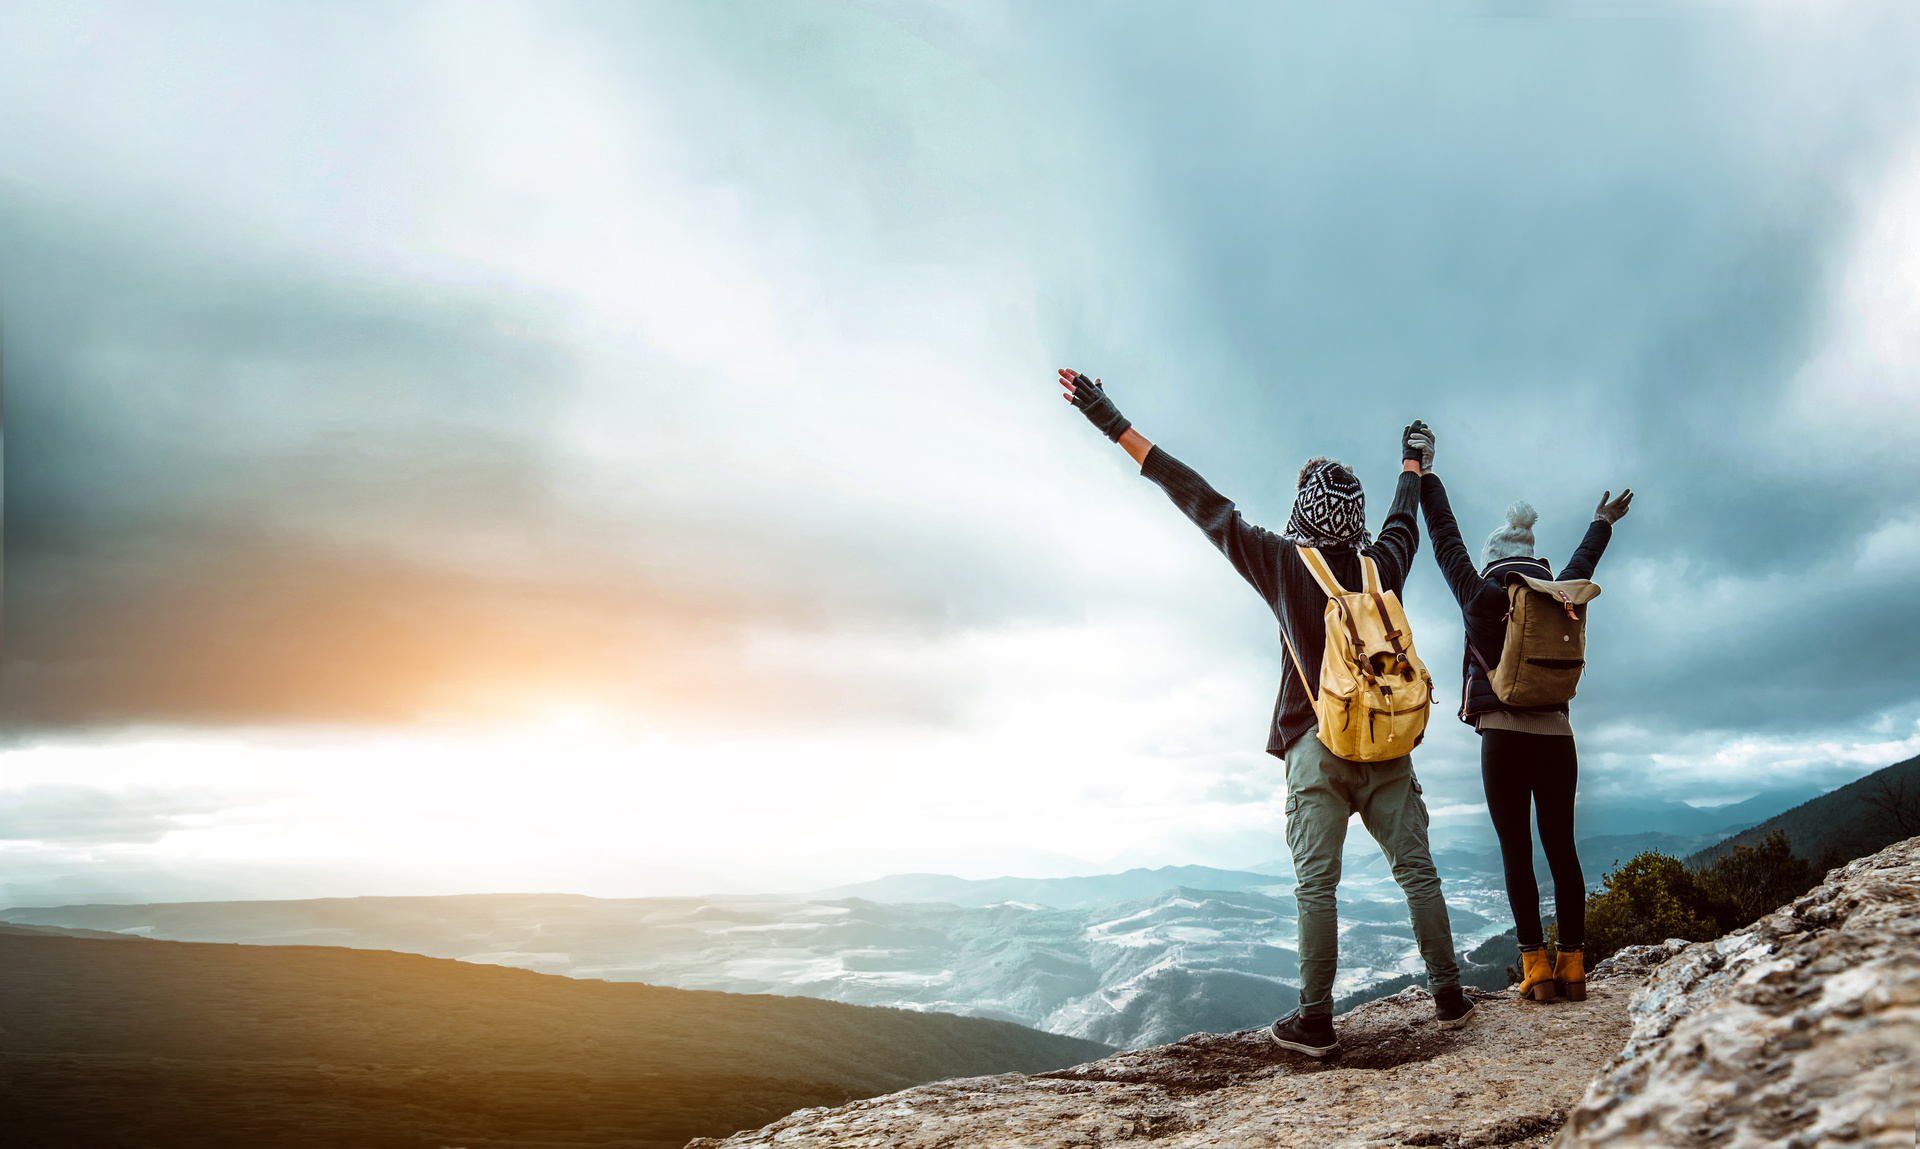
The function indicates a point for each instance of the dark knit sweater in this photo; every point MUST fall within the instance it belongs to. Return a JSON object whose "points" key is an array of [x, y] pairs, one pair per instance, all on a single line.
{"points": [[1275, 569], [1483, 594]]}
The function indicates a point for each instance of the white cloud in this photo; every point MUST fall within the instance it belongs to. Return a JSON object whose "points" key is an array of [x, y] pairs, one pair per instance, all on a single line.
{"points": [[82, 815], [1711, 767], [1892, 552], [1862, 389]]}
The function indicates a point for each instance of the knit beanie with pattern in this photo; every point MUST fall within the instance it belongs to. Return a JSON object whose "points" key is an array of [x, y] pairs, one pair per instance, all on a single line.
{"points": [[1329, 509], [1515, 540]]}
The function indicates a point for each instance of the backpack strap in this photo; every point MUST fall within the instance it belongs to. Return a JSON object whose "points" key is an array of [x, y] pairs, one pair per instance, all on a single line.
{"points": [[1321, 572], [1393, 635], [1467, 657], [1312, 696], [1370, 571], [1316, 564], [1336, 594], [1474, 652]]}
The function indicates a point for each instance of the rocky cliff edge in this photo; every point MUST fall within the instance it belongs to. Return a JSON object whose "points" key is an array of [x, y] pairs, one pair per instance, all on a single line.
{"points": [[1800, 1031]]}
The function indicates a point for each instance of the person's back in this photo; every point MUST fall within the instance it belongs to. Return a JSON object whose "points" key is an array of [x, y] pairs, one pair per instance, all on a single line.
{"points": [[1528, 760], [1323, 790]]}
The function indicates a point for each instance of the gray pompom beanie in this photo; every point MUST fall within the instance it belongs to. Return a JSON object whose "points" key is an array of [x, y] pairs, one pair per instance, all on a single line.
{"points": [[1515, 540]]}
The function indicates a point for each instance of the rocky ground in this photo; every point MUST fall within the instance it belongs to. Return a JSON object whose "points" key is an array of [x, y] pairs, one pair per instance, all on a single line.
{"points": [[1799, 1032], [1508, 1078]]}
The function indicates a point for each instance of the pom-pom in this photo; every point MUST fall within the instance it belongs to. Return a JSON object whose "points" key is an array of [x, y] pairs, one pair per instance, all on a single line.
{"points": [[1521, 514]]}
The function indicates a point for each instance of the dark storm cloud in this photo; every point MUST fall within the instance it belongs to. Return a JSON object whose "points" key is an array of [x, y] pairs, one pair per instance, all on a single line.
{"points": [[1591, 252]]}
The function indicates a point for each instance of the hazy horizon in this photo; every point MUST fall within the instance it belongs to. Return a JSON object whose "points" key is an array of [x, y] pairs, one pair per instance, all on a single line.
{"points": [[612, 449]]}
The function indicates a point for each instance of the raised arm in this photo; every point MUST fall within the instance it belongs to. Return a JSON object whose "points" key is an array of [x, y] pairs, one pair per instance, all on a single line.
{"points": [[1449, 549], [1399, 537], [1250, 549], [1599, 533], [1253, 551]]}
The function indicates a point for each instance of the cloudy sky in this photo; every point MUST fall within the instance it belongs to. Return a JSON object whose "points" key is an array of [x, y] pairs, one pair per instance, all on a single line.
{"points": [[612, 447]]}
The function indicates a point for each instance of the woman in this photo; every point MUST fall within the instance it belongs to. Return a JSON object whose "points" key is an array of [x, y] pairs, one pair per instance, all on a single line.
{"points": [[1527, 755]]}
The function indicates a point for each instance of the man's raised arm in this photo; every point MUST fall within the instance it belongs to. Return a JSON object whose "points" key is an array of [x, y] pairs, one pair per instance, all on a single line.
{"points": [[1091, 399], [1249, 548]]}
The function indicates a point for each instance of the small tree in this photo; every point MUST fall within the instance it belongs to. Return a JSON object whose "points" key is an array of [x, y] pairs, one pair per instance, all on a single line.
{"points": [[1749, 882], [1646, 901], [1895, 806]]}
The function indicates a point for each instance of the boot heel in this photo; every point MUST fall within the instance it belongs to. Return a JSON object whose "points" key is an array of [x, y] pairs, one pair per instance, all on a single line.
{"points": [[1544, 991], [1573, 990]]}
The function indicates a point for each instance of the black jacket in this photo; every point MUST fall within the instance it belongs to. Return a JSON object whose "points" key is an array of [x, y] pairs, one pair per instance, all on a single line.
{"points": [[1483, 594], [1275, 569]]}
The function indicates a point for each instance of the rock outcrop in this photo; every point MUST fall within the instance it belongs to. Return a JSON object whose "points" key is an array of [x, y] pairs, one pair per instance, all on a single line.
{"points": [[1508, 1078], [1801, 1030]]}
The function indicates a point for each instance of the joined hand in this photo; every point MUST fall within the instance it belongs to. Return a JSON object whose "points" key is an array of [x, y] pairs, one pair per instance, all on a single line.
{"points": [[1416, 444]]}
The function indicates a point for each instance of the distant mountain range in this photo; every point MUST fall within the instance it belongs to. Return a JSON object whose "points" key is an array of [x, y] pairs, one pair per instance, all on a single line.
{"points": [[1129, 959], [1851, 822], [1057, 893], [1133, 973], [15, 929], [1609, 829], [1617, 817], [182, 1046]]}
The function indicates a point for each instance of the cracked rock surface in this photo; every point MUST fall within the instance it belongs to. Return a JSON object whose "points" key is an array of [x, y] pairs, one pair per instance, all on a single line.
{"points": [[1801, 1031], [1508, 1078]]}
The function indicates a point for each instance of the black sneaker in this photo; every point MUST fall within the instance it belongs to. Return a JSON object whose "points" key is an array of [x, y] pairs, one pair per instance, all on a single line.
{"points": [[1453, 1007], [1312, 1036]]}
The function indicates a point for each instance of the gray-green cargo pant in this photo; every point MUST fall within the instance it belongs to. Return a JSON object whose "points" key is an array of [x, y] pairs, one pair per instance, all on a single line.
{"points": [[1323, 791]]}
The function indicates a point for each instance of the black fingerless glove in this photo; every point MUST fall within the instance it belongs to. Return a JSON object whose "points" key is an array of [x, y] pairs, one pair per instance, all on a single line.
{"points": [[1092, 400]]}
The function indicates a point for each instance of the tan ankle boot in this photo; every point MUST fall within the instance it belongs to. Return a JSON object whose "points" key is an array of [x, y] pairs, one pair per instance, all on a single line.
{"points": [[1536, 975], [1570, 975]]}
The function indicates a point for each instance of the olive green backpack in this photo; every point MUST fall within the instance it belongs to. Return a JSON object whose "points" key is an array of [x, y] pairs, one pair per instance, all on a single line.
{"points": [[1546, 642]]}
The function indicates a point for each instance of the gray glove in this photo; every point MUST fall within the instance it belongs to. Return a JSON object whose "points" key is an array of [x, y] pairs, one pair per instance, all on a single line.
{"points": [[1613, 512], [1092, 400], [1416, 442]]}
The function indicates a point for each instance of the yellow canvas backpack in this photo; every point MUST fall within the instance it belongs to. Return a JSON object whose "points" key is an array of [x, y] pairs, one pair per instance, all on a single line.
{"points": [[1546, 642], [1375, 692]]}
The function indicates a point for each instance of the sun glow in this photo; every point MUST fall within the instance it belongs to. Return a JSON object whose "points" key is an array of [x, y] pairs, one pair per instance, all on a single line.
{"points": [[575, 792]]}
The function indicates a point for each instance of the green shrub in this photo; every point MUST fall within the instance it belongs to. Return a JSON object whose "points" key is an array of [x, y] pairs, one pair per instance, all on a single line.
{"points": [[1646, 901], [1654, 897], [1750, 882]]}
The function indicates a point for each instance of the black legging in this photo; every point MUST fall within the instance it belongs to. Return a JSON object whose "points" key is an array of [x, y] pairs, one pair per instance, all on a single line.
{"points": [[1541, 771]]}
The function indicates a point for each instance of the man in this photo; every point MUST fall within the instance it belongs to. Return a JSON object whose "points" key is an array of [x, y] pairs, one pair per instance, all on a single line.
{"points": [[1323, 791]]}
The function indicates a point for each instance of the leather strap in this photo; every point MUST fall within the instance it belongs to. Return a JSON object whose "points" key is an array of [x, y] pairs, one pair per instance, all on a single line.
{"points": [[1475, 652], [1393, 636]]}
